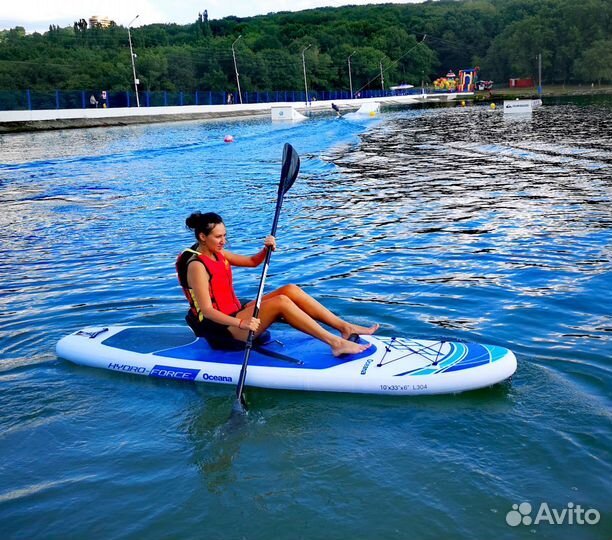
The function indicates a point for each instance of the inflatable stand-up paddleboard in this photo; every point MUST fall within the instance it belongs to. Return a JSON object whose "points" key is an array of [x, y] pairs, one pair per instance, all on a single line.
{"points": [[292, 360]]}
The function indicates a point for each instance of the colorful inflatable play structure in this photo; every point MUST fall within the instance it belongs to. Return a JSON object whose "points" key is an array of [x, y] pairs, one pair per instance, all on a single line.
{"points": [[452, 83], [467, 78], [445, 84]]}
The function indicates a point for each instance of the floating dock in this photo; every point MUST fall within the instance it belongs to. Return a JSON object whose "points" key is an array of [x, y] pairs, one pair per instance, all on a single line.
{"points": [[521, 106]]}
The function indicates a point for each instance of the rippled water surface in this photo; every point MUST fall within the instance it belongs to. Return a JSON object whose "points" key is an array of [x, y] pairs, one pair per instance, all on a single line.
{"points": [[449, 221]]}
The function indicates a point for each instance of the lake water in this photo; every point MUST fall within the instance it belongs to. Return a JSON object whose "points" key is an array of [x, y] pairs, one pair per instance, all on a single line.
{"points": [[455, 221]]}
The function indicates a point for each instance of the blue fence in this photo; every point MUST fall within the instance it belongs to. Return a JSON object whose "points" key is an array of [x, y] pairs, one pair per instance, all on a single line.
{"points": [[24, 100]]}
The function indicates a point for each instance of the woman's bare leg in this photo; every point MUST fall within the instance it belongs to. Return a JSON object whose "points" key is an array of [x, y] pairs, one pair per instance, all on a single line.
{"points": [[320, 313], [276, 306]]}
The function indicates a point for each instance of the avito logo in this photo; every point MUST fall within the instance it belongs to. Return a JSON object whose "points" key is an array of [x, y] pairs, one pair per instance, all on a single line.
{"points": [[573, 514]]}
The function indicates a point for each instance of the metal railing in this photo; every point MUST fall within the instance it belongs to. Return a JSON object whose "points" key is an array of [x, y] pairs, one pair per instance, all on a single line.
{"points": [[23, 100]]}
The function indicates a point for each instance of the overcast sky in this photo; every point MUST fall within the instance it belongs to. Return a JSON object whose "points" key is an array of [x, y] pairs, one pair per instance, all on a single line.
{"points": [[37, 15]]}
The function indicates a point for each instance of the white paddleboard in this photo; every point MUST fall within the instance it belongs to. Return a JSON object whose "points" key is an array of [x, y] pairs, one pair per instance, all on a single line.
{"points": [[294, 361]]}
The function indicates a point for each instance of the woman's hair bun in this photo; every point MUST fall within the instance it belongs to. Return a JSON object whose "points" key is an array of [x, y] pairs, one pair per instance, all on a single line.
{"points": [[193, 220], [203, 223]]}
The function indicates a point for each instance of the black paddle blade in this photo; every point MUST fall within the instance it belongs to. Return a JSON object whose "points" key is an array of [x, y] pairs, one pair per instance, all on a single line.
{"points": [[239, 407], [289, 170]]}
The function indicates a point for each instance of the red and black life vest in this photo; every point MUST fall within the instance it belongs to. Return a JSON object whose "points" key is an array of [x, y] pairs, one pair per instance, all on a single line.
{"points": [[221, 288]]}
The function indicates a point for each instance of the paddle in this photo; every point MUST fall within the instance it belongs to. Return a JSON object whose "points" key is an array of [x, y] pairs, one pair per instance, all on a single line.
{"points": [[289, 172]]}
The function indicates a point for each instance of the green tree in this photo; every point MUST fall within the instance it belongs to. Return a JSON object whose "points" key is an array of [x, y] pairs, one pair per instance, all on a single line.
{"points": [[181, 68], [504, 37], [595, 64]]}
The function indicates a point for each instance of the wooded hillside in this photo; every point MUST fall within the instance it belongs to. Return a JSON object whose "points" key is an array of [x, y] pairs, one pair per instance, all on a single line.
{"points": [[414, 42]]}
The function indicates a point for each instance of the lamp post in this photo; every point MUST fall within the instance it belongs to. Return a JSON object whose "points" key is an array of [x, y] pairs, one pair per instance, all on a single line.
{"points": [[304, 66], [132, 55], [540, 74], [382, 77], [236, 68], [350, 77]]}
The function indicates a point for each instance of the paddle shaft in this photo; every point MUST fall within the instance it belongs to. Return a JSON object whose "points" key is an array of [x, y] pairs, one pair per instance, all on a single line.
{"points": [[289, 172], [262, 283]]}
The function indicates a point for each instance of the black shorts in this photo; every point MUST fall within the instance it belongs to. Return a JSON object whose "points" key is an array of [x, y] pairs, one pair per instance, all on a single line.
{"points": [[217, 335]]}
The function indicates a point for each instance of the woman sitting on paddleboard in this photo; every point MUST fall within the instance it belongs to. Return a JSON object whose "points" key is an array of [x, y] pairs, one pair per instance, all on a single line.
{"points": [[216, 313]]}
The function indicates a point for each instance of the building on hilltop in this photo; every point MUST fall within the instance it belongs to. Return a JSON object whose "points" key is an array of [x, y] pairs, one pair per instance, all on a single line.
{"points": [[96, 21]]}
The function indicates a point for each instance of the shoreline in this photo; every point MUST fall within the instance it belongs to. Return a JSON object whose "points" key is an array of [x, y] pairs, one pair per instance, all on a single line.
{"points": [[53, 119], [497, 94]]}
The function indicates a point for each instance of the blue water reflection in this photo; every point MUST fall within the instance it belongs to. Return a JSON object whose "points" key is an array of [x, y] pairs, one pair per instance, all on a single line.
{"points": [[451, 221]]}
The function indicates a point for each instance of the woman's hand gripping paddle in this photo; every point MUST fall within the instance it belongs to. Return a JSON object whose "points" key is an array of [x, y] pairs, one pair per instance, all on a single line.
{"points": [[289, 172]]}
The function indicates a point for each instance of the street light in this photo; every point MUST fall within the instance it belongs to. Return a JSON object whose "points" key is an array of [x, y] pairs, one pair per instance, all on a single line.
{"points": [[349, 68], [304, 66], [236, 68], [132, 55], [540, 74]]}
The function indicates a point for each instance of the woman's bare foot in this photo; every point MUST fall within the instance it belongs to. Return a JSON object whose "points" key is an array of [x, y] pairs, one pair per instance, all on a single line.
{"points": [[359, 330], [347, 347]]}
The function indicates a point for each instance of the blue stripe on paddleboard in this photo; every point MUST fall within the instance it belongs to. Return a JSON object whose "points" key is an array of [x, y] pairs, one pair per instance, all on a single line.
{"points": [[460, 351], [478, 356], [496, 352]]}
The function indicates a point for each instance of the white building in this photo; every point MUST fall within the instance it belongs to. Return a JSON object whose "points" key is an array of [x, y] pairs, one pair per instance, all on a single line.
{"points": [[97, 21]]}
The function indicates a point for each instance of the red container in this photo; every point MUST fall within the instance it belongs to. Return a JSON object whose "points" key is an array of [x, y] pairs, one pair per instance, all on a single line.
{"points": [[521, 83]]}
